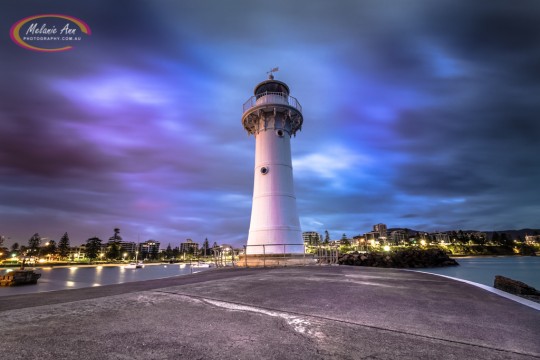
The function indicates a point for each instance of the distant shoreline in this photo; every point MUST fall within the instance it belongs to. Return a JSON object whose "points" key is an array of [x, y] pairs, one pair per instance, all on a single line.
{"points": [[40, 267]]}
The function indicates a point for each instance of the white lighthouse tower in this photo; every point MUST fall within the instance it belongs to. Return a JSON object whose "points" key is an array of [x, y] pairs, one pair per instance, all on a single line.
{"points": [[273, 117]]}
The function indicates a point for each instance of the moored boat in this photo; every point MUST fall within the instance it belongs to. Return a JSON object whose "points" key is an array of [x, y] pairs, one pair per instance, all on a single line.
{"points": [[19, 277], [134, 265]]}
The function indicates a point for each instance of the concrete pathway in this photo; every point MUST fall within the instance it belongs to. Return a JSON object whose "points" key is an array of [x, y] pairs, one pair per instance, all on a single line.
{"points": [[281, 313]]}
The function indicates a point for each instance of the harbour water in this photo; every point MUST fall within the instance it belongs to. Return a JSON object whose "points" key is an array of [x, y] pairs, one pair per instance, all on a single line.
{"points": [[477, 269], [483, 269], [74, 277]]}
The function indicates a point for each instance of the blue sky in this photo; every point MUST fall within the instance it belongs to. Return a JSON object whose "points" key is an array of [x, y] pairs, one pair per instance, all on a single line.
{"points": [[417, 114]]}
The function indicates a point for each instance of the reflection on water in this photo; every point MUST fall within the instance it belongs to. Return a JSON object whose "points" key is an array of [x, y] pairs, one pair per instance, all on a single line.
{"points": [[483, 269], [75, 277]]}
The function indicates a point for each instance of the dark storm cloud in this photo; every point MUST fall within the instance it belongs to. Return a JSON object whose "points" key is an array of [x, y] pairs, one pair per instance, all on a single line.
{"points": [[29, 148], [498, 31]]}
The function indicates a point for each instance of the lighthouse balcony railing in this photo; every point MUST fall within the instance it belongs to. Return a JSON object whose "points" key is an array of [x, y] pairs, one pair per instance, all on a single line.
{"points": [[272, 98]]}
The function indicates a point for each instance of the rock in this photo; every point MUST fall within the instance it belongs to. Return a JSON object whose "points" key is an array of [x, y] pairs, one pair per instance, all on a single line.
{"points": [[513, 286], [410, 258]]}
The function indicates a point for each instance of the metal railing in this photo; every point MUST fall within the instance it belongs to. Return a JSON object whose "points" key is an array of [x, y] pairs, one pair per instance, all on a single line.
{"points": [[287, 99], [273, 255], [327, 256], [225, 257]]}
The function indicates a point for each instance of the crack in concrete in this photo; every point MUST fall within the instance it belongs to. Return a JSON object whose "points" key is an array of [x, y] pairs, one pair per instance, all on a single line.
{"points": [[298, 323], [292, 315]]}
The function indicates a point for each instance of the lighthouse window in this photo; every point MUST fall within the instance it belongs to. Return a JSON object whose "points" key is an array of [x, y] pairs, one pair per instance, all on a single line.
{"points": [[279, 133], [264, 170]]}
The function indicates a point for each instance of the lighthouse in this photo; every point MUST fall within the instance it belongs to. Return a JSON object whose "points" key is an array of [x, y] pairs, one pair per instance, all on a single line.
{"points": [[273, 117]]}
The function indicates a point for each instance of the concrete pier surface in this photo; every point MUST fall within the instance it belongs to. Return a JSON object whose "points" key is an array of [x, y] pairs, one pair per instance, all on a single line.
{"points": [[330, 312]]}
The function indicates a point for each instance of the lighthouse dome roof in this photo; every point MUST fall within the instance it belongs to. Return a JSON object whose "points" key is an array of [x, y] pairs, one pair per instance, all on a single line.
{"points": [[271, 85]]}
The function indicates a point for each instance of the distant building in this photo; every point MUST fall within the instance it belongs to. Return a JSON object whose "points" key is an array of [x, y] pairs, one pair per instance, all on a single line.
{"points": [[125, 246], [77, 252], [398, 237], [372, 236], [335, 243], [189, 247], [382, 230], [358, 240], [149, 249], [532, 239], [477, 235], [441, 237], [312, 238]]}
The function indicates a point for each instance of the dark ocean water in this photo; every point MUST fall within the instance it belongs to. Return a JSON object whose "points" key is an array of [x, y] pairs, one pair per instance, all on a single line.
{"points": [[483, 269], [480, 270], [75, 277]]}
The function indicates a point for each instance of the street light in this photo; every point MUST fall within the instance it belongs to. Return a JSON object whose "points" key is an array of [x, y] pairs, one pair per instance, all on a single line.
{"points": [[124, 257]]}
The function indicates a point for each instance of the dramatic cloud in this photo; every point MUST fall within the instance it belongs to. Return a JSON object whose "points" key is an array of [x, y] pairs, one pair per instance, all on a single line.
{"points": [[417, 114]]}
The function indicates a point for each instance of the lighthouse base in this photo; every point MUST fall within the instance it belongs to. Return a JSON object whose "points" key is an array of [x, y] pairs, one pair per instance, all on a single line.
{"points": [[261, 260]]}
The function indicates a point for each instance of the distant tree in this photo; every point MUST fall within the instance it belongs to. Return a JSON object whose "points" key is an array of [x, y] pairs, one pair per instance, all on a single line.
{"points": [[175, 252], [168, 252], [506, 240], [15, 247], [215, 245], [63, 246], [2, 239], [482, 238], [496, 238], [345, 240], [33, 244], [116, 236], [453, 237], [114, 251], [51, 248], [190, 250], [154, 253], [205, 250], [326, 237], [461, 236], [93, 247]]}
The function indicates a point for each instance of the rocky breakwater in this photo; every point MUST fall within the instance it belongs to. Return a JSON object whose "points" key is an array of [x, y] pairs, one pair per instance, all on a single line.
{"points": [[410, 258], [516, 287]]}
